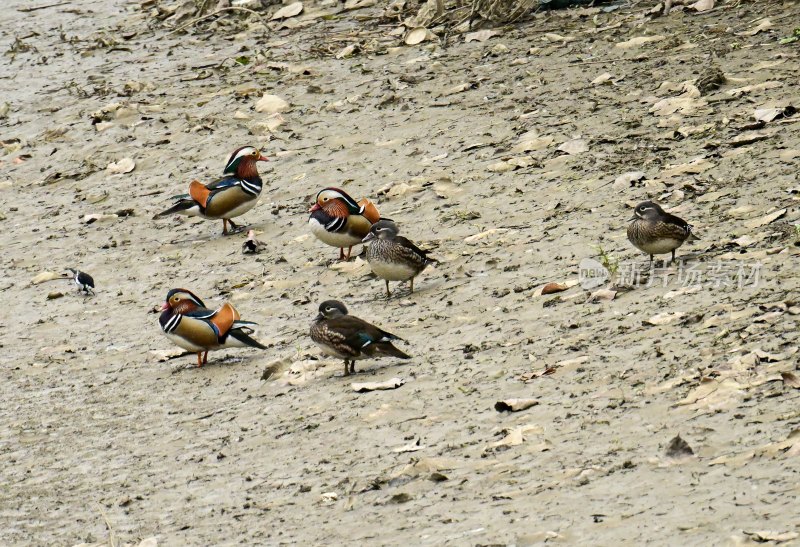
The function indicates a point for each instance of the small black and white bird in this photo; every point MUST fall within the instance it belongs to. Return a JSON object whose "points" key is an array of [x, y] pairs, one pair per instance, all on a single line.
{"points": [[252, 246], [83, 280], [655, 232]]}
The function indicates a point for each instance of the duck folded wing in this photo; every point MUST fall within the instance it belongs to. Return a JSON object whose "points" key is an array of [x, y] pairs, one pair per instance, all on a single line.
{"points": [[368, 338], [676, 231], [223, 183], [411, 250]]}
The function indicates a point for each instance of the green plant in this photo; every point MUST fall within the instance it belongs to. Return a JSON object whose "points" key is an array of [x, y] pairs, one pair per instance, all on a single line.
{"points": [[794, 37], [609, 262]]}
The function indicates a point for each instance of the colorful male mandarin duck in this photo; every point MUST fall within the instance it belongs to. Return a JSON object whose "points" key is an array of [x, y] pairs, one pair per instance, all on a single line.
{"points": [[393, 257], [350, 338], [232, 196], [657, 232], [187, 322], [336, 219]]}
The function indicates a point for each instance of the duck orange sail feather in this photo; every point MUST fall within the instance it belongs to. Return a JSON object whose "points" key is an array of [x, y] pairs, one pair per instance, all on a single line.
{"points": [[199, 192]]}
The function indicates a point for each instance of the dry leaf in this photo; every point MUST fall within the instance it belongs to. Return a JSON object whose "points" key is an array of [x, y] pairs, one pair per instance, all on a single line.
{"points": [[767, 114], [771, 535], [515, 437], [483, 235], [767, 219], [347, 51], [626, 180], [394, 383], [458, 89], [681, 105], [702, 5], [551, 288], [500, 167], [481, 35], [761, 27], [416, 36], [604, 78], [528, 145], [602, 294], [755, 88], [125, 165], [412, 447], [271, 104], [790, 379], [287, 11], [574, 146], [46, 276], [669, 295], [665, 318], [639, 41], [514, 405], [694, 167], [528, 376], [99, 217]]}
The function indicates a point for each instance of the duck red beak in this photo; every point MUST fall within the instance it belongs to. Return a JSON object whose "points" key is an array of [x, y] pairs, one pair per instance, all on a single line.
{"points": [[262, 158], [316, 207], [165, 306]]}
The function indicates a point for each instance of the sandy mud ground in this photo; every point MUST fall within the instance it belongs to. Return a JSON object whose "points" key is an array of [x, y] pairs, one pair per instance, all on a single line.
{"points": [[512, 159]]}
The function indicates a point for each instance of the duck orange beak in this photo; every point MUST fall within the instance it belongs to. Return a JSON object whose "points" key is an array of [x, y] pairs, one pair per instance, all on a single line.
{"points": [[316, 207], [262, 158], [165, 306]]}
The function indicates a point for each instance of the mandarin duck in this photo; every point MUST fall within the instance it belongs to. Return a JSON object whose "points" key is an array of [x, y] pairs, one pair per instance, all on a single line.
{"points": [[656, 232], [350, 338], [83, 280], [340, 221], [187, 322], [393, 257], [231, 196]]}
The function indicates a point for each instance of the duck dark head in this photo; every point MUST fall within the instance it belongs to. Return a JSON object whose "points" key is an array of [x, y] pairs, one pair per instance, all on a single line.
{"points": [[647, 210], [242, 162], [331, 309], [383, 229]]}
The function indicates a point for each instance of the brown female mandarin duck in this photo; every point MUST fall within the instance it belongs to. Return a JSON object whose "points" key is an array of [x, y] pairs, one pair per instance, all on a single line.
{"points": [[350, 338], [655, 232]]}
